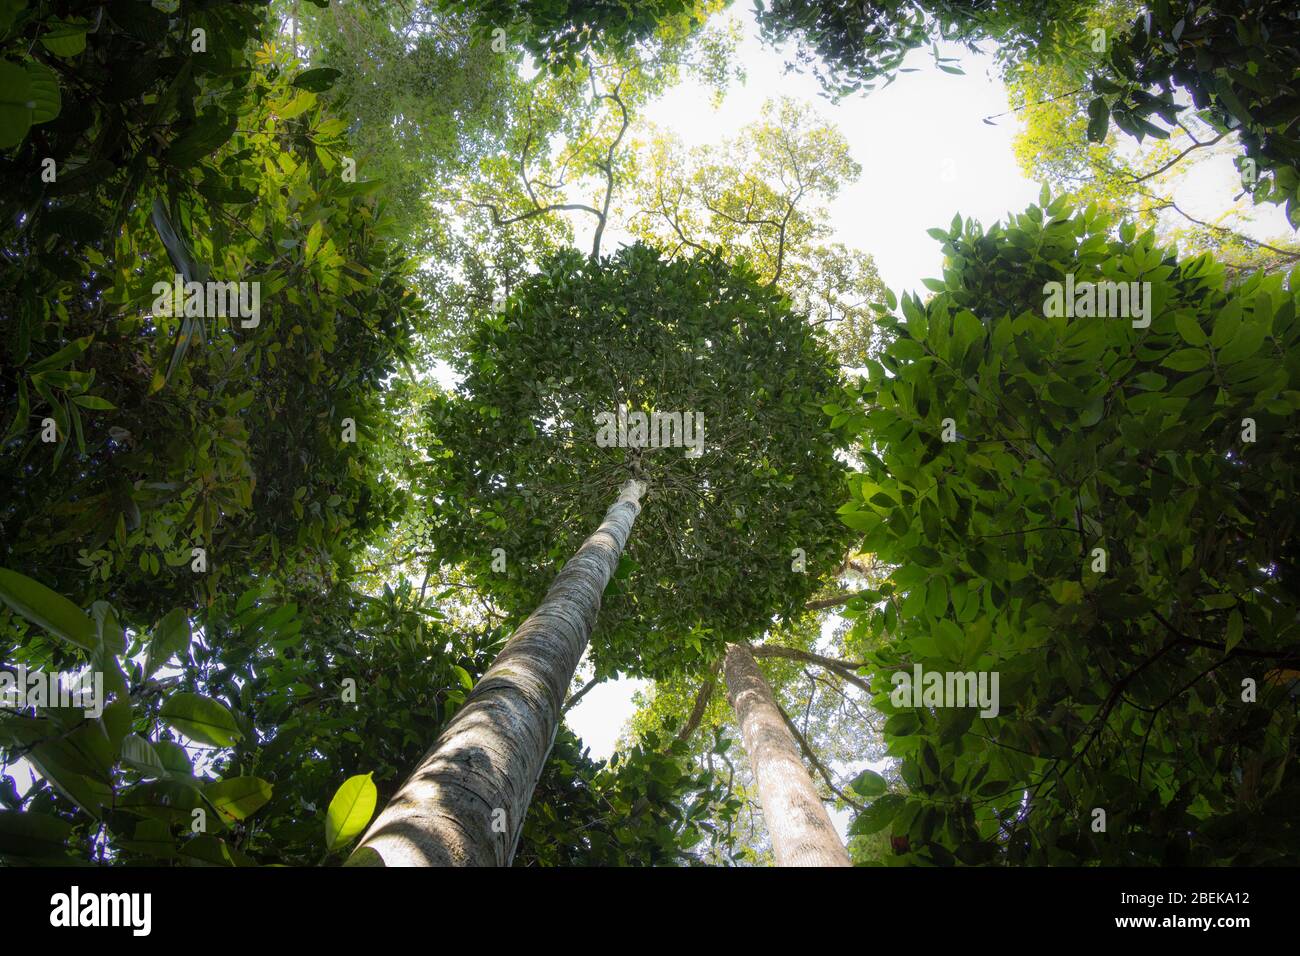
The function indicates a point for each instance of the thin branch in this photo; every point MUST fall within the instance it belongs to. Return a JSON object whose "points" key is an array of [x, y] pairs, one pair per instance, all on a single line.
{"points": [[843, 668], [1196, 144], [812, 759], [580, 694], [701, 702]]}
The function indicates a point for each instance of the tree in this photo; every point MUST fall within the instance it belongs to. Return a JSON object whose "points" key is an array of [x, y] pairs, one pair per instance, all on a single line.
{"points": [[517, 467], [1098, 511], [167, 491], [764, 197], [801, 831], [170, 428], [1238, 63], [465, 802], [823, 706]]}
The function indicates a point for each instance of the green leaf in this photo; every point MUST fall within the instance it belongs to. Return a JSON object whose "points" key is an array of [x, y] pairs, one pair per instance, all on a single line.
{"points": [[139, 754], [40, 605], [174, 757], [201, 718], [1187, 360], [313, 240], [1235, 630], [350, 811], [65, 355], [171, 636], [43, 89], [238, 797], [206, 136], [463, 676], [869, 784], [877, 816], [66, 39], [317, 80], [27, 834], [1190, 329], [1098, 119], [1066, 592], [1245, 343], [297, 105], [15, 104]]}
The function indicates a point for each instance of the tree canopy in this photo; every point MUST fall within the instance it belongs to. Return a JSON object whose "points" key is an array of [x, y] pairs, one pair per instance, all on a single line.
{"points": [[383, 383]]}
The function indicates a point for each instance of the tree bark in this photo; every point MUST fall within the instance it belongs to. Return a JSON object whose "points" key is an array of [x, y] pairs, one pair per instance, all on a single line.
{"points": [[801, 830], [465, 803]]}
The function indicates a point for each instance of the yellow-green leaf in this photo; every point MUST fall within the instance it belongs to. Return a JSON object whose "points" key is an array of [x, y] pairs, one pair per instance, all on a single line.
{"points": [[350, 810]]}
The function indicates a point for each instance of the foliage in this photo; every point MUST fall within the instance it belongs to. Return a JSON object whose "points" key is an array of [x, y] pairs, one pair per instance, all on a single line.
{"points": [[763, 197], [1122, 669], [1238, 60], [559, 32], [1144, 186], [851, 46], [515, 462], [830, 714], [641, 808], [181, 442]]}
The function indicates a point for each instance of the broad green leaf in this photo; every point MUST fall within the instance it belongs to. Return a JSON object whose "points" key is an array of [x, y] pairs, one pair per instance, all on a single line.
{"points": [[350, 811], [238, 797], [31, 835], [171, 636], [317, 80], [201, 718], [66, 39], [869, 784], [41, 606], [15, 104], [1190, 329], [879, 815], [43, 88], [139, 754], [173, 757]]}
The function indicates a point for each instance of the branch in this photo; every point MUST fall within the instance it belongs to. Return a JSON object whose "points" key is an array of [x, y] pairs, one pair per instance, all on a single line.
{"points": [[831, 601], [609, 166], [1197, 144], [580, 694], [812, 759], [701, 702], [843, 668], [1224, 230]]}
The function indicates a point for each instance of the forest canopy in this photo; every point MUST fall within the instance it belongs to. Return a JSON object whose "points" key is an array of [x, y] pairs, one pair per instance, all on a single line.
{"points": [[397, 397]]}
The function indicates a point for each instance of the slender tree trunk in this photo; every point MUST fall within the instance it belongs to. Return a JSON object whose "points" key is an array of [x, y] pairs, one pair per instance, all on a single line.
{"points": [[801, 830], [465, 803]]}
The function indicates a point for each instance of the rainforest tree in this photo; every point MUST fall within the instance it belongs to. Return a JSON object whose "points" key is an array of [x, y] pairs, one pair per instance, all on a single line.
{"points": [[537, 438], [1098, 510]]}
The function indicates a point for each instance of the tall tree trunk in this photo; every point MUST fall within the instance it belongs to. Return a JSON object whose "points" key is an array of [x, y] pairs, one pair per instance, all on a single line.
{"points": [[465, 803], [801, 830]]}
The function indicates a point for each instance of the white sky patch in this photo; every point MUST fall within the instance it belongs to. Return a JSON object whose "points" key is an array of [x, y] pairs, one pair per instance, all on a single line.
{"points": [[599, 718]]}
